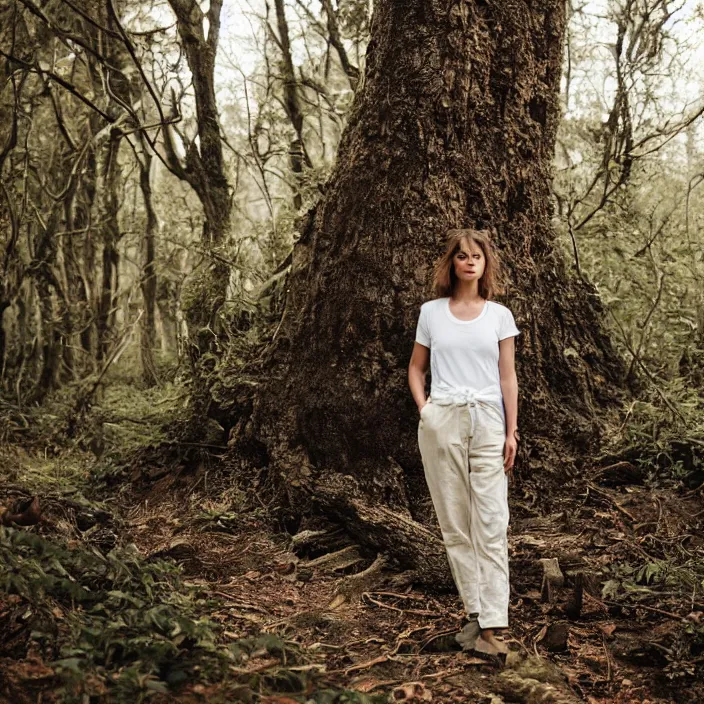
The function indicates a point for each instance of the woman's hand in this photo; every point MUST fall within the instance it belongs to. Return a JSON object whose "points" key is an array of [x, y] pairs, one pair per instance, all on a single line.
{"points": [[510, 449], [509, 390], [417, 369]]}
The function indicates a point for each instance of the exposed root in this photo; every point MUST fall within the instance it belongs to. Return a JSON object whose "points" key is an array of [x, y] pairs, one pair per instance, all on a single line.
{"points": [[309, 541], [338, 560], [353, 586], [411, 543]]}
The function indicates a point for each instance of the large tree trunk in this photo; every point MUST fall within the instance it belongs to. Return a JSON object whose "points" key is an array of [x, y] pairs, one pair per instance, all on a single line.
{"points": [[455, 122]]}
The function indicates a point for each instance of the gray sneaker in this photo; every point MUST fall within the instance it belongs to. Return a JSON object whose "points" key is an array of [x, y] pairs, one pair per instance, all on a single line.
{"points": [[467, 637]]}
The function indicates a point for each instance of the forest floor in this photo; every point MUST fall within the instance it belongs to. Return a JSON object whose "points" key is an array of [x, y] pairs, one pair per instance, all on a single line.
{"points": [[168, 582]]}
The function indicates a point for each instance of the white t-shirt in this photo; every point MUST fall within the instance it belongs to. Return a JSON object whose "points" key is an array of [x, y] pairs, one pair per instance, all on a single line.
{"points": [[464, 353]]}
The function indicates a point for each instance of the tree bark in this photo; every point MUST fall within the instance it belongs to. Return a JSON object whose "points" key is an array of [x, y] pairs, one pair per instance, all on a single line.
{"points": [[108, 184], [85, 255], [53, 308], [4, 305], [148, 281], [455, 123]]}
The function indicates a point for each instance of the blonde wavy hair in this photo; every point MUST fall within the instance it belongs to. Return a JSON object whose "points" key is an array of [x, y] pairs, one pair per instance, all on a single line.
{"points": [[444, 278]]}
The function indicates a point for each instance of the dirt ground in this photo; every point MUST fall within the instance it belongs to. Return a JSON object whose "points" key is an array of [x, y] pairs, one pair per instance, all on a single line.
{"points": [[394, 636]]}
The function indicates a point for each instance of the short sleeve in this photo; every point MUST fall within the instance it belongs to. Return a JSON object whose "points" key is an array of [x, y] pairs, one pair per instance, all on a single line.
{"points": [[423, 329], [507, 327]]}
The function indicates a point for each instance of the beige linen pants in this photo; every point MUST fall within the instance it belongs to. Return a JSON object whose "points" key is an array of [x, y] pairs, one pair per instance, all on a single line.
{"points": [[461, 442]]}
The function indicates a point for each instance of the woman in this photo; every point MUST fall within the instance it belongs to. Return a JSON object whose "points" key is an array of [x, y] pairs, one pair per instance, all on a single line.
{"points": [[467, 432]]}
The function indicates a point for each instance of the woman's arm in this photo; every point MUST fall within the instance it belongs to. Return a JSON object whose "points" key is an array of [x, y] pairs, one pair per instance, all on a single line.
{"points": [[509, 390], [417, 369]]}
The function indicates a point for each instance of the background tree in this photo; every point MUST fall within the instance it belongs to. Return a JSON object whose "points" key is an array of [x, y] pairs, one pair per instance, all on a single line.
{"points": [[628, 163]]}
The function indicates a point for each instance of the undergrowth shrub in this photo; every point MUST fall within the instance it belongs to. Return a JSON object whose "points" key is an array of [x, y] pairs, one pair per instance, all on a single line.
{"points": [[130, 622], [118, 628]]}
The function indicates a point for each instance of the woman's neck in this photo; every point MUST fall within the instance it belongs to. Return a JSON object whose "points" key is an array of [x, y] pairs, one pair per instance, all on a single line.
{"points": [[467, 292]]}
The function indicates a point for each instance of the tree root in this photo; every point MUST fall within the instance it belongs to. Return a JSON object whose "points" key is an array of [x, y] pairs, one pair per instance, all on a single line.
{"points": [[411, 543], [352, 586], [338, 560]]}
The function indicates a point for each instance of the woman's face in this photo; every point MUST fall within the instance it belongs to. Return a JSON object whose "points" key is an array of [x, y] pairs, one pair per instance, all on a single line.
{"points": [[469, 261]]}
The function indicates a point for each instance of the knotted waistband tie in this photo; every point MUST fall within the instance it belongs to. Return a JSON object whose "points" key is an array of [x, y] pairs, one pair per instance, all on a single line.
{"points": [[466, 395]]}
